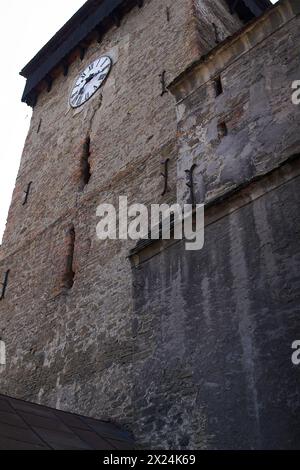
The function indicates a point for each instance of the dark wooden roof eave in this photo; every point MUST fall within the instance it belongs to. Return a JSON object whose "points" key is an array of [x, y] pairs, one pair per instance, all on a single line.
{"points": [[90, 17], [248, 9], [59, 37]]}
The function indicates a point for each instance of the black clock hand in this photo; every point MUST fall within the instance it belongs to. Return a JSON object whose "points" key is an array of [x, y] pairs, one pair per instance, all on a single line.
{"points": [[91, 77], [87, 80]]}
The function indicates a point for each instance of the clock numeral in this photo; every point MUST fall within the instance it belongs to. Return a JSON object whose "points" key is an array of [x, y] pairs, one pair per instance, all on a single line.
{"points": [[102, 61], [104, 64], [78, 101], [96, 72], [105, 68], [101, 77]]}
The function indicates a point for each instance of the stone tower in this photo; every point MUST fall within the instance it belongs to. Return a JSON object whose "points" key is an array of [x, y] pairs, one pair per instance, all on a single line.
{"points": [[186, 350]]}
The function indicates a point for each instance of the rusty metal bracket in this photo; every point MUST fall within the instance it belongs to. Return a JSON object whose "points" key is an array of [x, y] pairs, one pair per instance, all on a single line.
{"points": [[165, 175], [39, 126], [168, 14], [163, 83], [27, 192], [4, 285], [190, 183]]}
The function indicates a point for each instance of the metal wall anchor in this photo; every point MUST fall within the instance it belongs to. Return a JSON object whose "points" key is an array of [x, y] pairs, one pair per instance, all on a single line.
{"points": [[163, 83], [4, 285], [190, 183], [165, 175], [27, 192]]}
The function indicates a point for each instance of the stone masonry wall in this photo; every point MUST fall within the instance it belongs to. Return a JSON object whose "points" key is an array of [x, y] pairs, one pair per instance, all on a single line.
{"points": [[215, 23], [214, 328], [261, 122], [76, 349], [72, 349]]}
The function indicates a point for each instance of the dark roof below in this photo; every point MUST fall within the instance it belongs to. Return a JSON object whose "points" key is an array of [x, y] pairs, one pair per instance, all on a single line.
{"points": [[27, 426]]}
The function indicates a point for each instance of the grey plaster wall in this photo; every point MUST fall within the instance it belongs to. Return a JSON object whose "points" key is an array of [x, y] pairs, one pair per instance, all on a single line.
{"points": [[257, 69], [214, 330]]}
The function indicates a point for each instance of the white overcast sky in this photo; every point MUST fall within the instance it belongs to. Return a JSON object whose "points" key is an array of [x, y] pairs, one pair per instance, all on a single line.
{"points": [[25, 27]]}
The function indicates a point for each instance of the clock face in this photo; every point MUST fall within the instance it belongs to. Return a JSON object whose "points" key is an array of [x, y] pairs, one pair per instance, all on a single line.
{"points": [[90, 80]]}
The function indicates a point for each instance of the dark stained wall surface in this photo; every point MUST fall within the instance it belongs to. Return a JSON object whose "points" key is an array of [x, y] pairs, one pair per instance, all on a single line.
{"points": [[214, 330], [203, 360]]}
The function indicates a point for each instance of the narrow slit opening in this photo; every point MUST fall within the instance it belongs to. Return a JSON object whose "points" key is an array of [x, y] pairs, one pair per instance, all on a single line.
{"points": [[85, 163], [222, 130], [218, 86], [69, 275]]}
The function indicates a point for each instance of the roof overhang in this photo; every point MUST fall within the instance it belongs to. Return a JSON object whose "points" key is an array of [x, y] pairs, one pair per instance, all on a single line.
{"points": [[95, 16], [248, 9]]}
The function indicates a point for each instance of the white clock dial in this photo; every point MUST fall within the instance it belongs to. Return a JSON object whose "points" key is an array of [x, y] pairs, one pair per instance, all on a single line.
{"points": [[90, 80]]}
